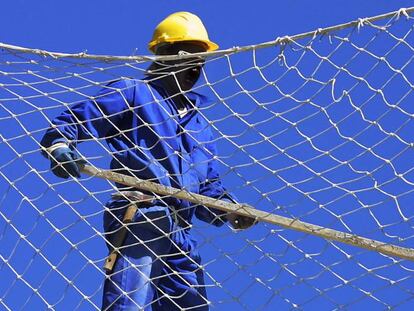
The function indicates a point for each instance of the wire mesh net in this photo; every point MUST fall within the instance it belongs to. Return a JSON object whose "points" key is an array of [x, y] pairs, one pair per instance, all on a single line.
{"points": [[315, 127]]}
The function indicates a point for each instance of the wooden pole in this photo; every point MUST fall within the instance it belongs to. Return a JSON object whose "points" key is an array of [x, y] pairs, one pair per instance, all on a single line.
{"points": [[246, 210]]}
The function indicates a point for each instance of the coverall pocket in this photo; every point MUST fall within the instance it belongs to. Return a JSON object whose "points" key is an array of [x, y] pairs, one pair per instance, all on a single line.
{"points": [[150, 225]]}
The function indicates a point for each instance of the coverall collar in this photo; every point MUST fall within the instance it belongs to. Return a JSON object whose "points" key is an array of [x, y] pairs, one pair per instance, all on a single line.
{"points": [[196, 98]]}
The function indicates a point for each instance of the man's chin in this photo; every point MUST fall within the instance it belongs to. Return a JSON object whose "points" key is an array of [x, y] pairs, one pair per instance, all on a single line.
{"points": [[187, 86]]}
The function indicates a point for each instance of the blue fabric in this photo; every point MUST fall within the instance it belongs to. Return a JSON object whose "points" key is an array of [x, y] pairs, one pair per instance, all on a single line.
{"points": [[159, 266], [148, 139]]}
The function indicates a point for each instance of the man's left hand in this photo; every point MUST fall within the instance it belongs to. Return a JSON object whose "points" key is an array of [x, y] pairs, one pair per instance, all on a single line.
{"points": [[240, 222]]}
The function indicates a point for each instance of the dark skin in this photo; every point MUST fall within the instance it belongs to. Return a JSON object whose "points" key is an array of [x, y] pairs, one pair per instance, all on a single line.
{"points": [[182, 75], [179, 75]]}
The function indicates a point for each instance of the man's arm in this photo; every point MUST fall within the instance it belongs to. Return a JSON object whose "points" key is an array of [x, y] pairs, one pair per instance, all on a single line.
{"points": [[94, 118], [214, 188]]}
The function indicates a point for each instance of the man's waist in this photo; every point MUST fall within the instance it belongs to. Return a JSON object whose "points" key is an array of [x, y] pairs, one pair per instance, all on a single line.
{"points": [[145, 200]]}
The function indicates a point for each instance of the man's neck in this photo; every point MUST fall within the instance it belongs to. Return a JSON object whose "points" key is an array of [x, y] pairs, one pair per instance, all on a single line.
{"points": [[181, 102], [171, 88]]}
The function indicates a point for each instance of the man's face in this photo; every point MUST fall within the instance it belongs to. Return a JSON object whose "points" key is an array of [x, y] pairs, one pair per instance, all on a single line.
{"points": [[187, 71]]}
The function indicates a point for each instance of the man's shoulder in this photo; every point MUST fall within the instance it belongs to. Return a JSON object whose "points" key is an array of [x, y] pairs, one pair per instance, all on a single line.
{"points": [[198, 98], [129, 86], [125, 81]]}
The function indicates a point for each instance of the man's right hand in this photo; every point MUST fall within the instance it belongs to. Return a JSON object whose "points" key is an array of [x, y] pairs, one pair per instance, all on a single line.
{"points": [[240, 222], [64, 163]]}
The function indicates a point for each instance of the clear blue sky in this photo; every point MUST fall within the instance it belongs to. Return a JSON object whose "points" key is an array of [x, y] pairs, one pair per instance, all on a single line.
{"points": [[104, 27], [124, 27]]}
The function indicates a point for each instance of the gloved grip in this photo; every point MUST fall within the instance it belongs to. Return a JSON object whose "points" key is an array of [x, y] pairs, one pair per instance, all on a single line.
{"points": [[64, 162]]}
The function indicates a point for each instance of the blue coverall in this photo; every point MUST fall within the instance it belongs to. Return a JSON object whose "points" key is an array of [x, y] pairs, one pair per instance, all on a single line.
{"points": [[148, 139]]}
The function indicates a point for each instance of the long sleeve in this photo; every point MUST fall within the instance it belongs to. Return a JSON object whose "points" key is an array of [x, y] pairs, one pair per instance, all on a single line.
{"points": [[94, 118], [213, 187]]}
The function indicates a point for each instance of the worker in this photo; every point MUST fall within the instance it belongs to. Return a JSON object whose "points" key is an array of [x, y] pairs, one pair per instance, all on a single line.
{"points": [[154, 131]]}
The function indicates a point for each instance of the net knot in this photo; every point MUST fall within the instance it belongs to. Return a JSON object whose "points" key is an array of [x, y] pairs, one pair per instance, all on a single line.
{"points": [[402, 11], [82, 54], [318, 31], [361, 23], [282, 40]]}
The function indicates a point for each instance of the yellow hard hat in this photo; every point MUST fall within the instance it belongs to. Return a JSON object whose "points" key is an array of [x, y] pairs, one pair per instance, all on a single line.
{"points": [[178, 27]]}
